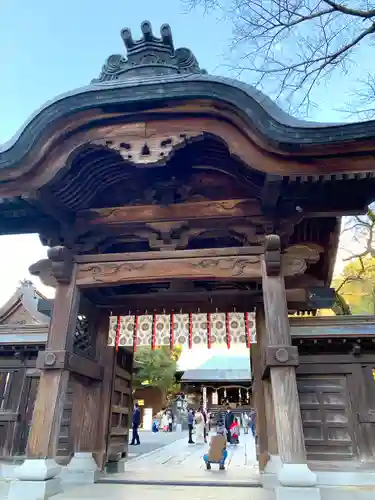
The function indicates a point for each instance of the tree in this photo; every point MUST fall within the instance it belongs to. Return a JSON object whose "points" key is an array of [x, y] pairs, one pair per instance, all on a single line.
{"points": [[291, 46], [356, 284], [156, 368]]}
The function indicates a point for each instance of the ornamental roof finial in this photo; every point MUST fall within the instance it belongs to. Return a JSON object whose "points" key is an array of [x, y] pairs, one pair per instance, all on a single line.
{"points": [[149, 56]]}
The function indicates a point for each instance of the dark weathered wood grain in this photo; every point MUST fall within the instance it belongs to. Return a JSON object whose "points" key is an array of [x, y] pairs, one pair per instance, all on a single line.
{"points": [[290, 438], [53, 384], [259, 403]]}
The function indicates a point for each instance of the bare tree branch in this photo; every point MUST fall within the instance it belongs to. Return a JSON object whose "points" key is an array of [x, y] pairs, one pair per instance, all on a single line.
{"points": [[291, 46]]}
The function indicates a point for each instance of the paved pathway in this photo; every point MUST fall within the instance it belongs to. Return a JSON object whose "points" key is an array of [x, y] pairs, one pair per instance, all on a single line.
{"points": [[152, 441], [144, 492], [181, 463]]}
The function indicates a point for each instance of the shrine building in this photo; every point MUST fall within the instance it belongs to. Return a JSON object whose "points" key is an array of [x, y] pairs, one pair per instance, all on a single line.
{"points": [[172, 200], [219, 381]]}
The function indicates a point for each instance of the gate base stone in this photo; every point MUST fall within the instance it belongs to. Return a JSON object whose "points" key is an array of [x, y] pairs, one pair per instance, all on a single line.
{"points": [[296, 482], [37, 479], [82, 469]]}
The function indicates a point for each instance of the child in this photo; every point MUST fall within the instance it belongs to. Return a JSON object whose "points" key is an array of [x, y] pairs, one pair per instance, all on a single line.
{"points": [[155, 424], [235, 431], [217, 453]]}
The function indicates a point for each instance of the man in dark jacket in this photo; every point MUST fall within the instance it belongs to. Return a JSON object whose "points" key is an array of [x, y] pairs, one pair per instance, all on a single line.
{"points": [[190, 419], [228, 419], [136, 422], [253, 421]]}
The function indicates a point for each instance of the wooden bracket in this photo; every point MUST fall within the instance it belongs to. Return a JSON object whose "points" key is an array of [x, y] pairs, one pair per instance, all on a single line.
{"points": [[61, 264], [65, 360], [280, 355], [366, 418], [272, 254]]}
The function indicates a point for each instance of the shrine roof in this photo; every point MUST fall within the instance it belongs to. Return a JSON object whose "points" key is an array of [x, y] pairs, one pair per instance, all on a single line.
{"points": [[155, 74], [22, 307], [221, 368]]}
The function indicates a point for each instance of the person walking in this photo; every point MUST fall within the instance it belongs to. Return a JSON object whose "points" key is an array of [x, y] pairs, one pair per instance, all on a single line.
{"points": [[245, 423], [228, 421], [136, 422], [190, 419], [205, 418], [170, 421], [199, 427], [253, 420]]}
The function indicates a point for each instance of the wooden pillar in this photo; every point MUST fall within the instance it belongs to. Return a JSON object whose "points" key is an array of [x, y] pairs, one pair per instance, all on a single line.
{"points": [[107, 358], [258, 394], [270, 419], [86, 390], [281, 358], [49, 404]]}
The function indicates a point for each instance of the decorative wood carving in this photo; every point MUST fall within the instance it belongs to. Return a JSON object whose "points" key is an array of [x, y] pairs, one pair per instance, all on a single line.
{"points": [[240, 139], [43, 270], [239, 267], [58, 268], [272, 255], [61, 264], [309, 252], [146, 148], [175, 254], [177, 212]]}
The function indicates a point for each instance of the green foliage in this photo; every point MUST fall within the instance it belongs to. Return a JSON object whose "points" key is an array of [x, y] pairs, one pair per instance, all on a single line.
{"points": [[156, 368], [357, 285]]}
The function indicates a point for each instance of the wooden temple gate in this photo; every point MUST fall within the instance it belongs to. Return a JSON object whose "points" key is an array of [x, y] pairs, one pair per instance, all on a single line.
{"points": [[161, 188]]}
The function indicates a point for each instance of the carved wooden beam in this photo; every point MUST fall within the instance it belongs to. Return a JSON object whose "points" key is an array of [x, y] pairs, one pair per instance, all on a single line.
{"points": [[171, 254], [177, 212], [220, 267]]}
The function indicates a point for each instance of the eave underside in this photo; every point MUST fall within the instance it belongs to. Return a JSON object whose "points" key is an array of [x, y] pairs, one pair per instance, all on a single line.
{"points": [[181, 192]]}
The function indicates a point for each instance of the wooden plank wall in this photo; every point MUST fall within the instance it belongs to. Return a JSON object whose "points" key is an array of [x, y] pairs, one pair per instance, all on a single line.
{"points": [[121, 407], [18, 388], [336, 394]]}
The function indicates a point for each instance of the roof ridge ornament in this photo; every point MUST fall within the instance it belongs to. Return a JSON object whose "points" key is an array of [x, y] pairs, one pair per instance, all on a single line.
{"points": [[149, 56]]}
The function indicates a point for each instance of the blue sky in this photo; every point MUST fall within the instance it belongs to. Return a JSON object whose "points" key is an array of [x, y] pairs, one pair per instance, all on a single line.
{"points": [[47, 48]]}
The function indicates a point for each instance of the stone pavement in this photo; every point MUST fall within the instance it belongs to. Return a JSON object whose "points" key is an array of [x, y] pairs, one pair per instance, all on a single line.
{"points": [[146, 492], [152, 441], [181, 463]]}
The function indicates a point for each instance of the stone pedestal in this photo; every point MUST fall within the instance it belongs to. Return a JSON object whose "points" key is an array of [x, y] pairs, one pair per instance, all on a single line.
{"points": [[295, 482], [37, 477], [82, 469], [115, 467], [271, 470]]}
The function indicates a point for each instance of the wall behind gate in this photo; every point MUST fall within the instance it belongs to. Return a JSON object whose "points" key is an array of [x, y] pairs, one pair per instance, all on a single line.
{"points": [[336, 395], [19, 382]]}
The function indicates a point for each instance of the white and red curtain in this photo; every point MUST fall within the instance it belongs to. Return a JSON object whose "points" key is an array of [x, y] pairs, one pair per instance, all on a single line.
{"points": [[194, 329]]}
